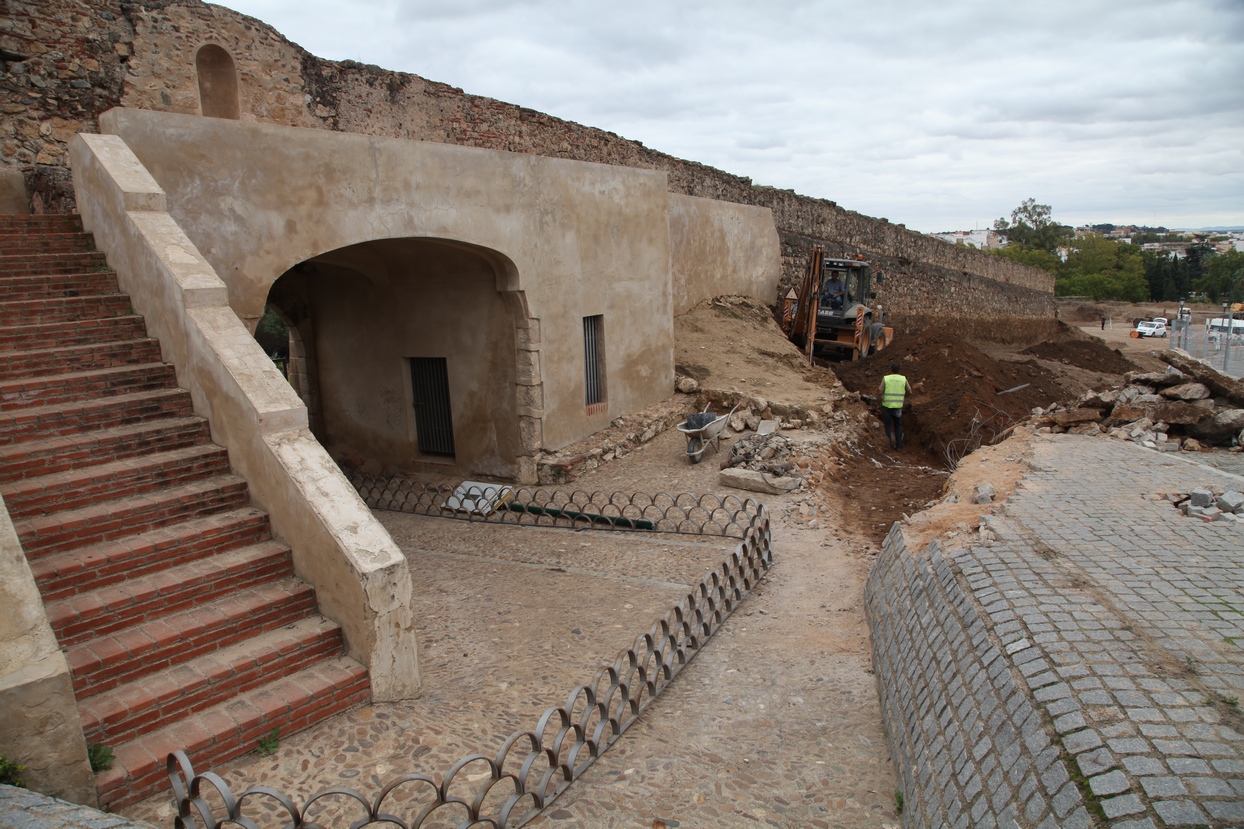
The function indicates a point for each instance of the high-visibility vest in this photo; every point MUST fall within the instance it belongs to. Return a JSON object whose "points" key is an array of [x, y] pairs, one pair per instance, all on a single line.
{"points": [[895, 388]]}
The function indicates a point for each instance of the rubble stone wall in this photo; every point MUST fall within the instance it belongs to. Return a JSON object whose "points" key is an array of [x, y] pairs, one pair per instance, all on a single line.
{"points": [[969, 747], [66, 61]]}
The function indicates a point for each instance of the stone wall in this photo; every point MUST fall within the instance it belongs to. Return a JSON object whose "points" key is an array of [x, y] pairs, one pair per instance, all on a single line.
{"points": [[969, 746], [80, 58]]}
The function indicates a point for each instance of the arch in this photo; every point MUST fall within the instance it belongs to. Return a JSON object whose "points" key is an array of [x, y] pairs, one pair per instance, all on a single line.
{"points": [[218, 83], [362, 316]]}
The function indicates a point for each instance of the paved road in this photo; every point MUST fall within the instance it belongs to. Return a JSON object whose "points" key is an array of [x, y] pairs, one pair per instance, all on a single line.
{"points": [[1132, 617]]}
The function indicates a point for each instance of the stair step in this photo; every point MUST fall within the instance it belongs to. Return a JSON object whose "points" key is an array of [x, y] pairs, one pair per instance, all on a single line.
{"points": [[233, 728], [99, 565], [102, 612], [85, 415], [27, 222], [141, 707], [64, 309], [74, 488], [105, 662], [15, 288], [36, 458], [52, 263], [36, 335], [48, 390], [110, 520], [44, 245], [68, 359]]}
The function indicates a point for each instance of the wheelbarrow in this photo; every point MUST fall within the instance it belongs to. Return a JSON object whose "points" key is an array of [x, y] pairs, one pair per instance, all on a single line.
{"points": [[702, 429]]}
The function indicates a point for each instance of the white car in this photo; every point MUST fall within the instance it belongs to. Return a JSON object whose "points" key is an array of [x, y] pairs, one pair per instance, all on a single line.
{"points": [[1151, 328]]}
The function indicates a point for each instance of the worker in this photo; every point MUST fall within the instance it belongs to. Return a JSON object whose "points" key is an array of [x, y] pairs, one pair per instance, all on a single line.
{"points": [[834, 292], [894, 388]]}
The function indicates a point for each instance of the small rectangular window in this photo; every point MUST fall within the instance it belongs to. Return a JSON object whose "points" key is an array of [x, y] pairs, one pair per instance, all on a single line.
{"points": [[594, 359], [434, 422]]}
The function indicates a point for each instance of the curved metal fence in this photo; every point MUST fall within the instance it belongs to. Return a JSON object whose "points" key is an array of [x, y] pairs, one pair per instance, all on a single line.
{"points": [[726, 515], [532, 767]]}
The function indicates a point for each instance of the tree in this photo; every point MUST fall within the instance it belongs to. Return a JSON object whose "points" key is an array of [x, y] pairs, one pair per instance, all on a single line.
{"points": [[1031, 226], [1034, 257], [1103, 269], [1223, 277]]}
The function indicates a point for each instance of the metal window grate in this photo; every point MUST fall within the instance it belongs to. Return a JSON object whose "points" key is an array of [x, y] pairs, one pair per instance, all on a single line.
{"points": [[593, 350], [434, 423]]}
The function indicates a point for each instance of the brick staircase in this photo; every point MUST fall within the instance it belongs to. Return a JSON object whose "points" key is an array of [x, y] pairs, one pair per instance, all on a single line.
{"points": [[182, 621]]}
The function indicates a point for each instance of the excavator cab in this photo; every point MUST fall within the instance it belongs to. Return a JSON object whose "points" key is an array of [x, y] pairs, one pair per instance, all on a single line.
{"points": [[831, 316]]}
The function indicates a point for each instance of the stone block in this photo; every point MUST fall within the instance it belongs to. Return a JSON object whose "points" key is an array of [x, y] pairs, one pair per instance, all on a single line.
{"points": [[1230, 501], [1201, 497], [984, 494], [753, 481], [1186, 391]]}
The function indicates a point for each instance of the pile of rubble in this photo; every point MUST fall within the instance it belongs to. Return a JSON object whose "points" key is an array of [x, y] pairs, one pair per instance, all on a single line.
{"points": [[1208, 503], [762, 462], [1189, 406]]}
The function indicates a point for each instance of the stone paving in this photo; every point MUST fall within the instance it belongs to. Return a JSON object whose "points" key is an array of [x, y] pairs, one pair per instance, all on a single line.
{"points": [[1123, 620]]}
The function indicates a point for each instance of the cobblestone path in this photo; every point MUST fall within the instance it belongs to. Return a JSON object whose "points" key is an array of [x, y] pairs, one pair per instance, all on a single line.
{"points": [[1127, 620]]}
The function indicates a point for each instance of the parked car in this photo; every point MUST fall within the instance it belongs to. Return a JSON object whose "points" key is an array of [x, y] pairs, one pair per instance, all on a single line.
{"points": [[1151, 328]]}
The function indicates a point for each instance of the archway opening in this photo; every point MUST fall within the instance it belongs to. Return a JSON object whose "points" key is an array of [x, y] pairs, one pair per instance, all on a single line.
{"points": [[404, 351], [218, 83]]}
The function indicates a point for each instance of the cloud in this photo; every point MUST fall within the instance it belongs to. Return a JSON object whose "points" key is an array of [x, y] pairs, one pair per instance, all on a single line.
{"points": [[937, 115]]}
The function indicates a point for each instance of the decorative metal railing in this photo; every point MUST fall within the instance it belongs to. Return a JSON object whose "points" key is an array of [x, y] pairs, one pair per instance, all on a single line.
{"points": [[727, 515], [531, 768]]}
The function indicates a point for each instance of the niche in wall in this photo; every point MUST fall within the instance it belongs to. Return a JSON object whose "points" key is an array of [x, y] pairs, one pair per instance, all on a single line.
{"points": [[218, 83]]}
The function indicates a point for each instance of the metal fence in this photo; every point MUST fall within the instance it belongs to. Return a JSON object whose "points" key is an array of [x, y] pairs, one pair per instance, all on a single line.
{"points": [[1219, 350], [532, 767]]}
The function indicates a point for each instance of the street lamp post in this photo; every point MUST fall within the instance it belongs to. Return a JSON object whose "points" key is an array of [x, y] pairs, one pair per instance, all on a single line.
{"points": [[1226, 351]]}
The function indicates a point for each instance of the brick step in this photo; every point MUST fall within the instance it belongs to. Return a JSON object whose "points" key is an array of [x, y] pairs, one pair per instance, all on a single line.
{"points": [[109, 520], [89, 568], [86, 415], [105, 662], [110, 381], [67, 359], [102, 612], [44, 243], [74, 488], [36, 458], [232, 729], [18, 222], [138, 708], [16, 288], [52, 263], [64, 309], [36, 335]]}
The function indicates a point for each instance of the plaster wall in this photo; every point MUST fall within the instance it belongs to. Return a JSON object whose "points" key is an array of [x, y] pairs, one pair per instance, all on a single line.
{"points": [[361, 579], [567, 239], [718, 248], [39, 724]]}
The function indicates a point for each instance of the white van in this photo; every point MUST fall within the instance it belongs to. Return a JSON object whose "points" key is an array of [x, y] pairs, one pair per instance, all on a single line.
{"points": [[1217, 327]]}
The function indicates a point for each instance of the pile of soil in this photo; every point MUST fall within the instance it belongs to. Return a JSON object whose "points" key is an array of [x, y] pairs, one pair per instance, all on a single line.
{"points": [[957, 404], [1089, 353]]}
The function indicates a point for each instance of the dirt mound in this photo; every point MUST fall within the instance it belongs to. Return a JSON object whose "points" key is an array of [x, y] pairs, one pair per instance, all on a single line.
{"points": [[963, 397], [1089, 353]]}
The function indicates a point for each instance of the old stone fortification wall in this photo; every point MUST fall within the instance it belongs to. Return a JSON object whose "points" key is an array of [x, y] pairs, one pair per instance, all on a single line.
{"points": [[80, 58], [969, 745]]}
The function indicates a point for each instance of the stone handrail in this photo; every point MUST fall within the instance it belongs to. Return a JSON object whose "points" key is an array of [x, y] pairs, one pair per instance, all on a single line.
{"points": [[360, 577]]}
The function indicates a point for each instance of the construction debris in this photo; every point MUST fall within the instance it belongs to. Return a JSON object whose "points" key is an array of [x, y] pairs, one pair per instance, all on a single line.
{"points": [[1207, 503], [762, 463]]}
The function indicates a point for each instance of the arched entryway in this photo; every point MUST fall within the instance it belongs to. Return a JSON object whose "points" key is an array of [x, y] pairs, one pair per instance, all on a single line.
{"points": [[413, 354]]}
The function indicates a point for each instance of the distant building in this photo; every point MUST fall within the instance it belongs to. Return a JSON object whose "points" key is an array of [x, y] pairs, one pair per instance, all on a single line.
{"points": [[981, 239]]}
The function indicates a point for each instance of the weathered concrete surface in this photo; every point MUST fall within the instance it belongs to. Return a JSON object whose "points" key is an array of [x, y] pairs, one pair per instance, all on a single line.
{"points": [[39, 724], [360, 576], [1080, 660], [719, 247]]}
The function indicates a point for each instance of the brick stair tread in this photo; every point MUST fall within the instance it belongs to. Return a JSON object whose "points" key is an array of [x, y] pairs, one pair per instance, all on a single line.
{"points": [[107, 520], [66, 308], [105, 610], [44, 456], [70, 358], [90, 283], [103, 663], [138, 707], [97, 565], [71, 332], [89, 415], [93, 383], [71, 488], [231, 729]]}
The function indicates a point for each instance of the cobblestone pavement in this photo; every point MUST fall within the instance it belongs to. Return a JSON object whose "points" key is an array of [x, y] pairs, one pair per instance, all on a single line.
{"points": [[775, 723], [22, 809], [1126, 619]]}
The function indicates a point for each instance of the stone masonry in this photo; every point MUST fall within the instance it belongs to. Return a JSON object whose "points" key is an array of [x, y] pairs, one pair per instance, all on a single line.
{"points": [[1074, 666], [66, 61]]}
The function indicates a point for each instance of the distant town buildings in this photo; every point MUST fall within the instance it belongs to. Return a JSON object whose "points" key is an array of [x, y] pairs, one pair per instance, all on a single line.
{"points": [[1156, 239], [981, 239]]}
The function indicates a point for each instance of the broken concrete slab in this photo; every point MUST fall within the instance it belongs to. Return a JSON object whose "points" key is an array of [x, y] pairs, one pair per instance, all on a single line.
{"points": [[1220, 428], [1168, 411], [1186, 392], [1219, 383], [767, 427], [1072, 417], [758, 481]]}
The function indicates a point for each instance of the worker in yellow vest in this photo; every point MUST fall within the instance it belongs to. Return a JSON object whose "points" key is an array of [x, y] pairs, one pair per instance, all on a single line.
{"points": [[894, 388]]}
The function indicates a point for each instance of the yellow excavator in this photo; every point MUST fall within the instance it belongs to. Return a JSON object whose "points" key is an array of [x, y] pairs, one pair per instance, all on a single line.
{"points": [[829, 315]]}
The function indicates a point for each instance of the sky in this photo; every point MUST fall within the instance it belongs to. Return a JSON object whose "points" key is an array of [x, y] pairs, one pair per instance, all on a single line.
{"points": [[940, 116]]}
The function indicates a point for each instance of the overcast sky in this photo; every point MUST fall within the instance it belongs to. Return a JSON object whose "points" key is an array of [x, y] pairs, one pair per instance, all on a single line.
{"points": [[943, 116]]}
